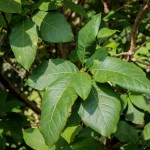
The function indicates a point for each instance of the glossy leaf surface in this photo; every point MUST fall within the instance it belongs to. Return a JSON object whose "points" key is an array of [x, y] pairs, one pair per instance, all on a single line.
{"points": [[122, 73], [56, 104]]}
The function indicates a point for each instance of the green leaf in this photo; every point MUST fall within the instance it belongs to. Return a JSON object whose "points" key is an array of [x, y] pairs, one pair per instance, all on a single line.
{"points": [[11, 6], [105, 32], [56, 105], [126, 133], [23, 41], [87, 144], [99, 54], [82, 84], [101, 110], [134, 115], [50, 71], [54, 28], [76, 8], [71, 132], [46, 5], [146, 135], [34, 139], [87, 38], [140, 101], [125, 74]]}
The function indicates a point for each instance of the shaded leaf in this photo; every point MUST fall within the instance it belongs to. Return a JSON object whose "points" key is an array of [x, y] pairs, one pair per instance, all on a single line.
{"points": [[23, 41], [56, 105], [34, 139], [101, 110], [82, 84], [123, 73], [87, 144], [11, 6], [134, 115], [76, 8], [61, 144], [126, 133], [140, 101], [87, 38], [50, 71]]}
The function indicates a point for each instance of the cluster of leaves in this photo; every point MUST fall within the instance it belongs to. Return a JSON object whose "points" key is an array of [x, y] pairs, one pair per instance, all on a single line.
{"points": [[93, 100]]}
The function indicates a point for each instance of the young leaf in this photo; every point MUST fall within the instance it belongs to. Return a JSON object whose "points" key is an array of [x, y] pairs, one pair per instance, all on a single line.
{"points": [[23, 41], [126, 133], [34, 139], [101, 110], [11, 6], [134, 115], [146, 135], [71, 132], [76, 8], [49, 71], [57, 102], [105, 32], [82, 84], [87, 38], [54, 28], [123, 73], [99, 54]]}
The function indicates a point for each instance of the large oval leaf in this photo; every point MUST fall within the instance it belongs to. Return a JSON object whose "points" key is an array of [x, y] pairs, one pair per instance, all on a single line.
{"points": [[82, 84], [49, 71], [55, 28], [101, 110], [87, 37], [125, 74], [11, 6], [23, 41], [56, 104]]}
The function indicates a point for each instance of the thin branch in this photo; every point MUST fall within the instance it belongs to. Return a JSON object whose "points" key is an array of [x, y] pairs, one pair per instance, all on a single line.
{"points": [[140, 62], [18, 94], [142, 12], [143, 44]]}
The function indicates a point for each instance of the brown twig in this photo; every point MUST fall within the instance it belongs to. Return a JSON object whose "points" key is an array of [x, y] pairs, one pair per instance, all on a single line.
{"points": [[18, 94], [141, 62], [143, 10]]}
